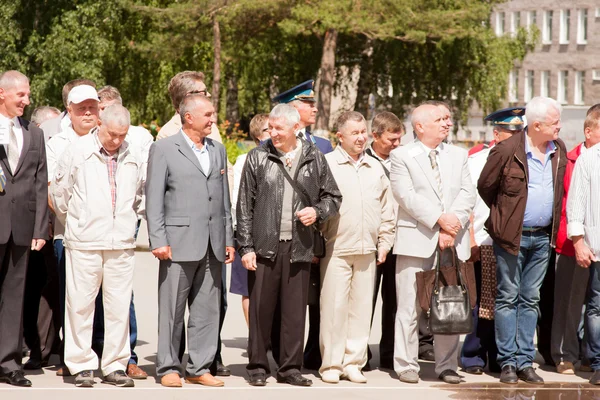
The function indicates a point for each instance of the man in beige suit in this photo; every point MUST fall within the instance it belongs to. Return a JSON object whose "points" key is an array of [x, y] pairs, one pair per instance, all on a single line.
{"points": [[430, 181]]}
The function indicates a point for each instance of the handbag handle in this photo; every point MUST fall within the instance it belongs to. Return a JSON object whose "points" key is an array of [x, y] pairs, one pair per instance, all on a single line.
{"points": [[455, 264]]}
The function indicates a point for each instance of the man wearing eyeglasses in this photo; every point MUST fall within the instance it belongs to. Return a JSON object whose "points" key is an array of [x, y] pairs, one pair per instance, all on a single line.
{"points": [[181, 85], [522, 184]]}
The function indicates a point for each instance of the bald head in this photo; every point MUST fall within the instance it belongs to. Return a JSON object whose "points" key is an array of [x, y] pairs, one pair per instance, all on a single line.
{"points": [[430, 125], [10, 79]]}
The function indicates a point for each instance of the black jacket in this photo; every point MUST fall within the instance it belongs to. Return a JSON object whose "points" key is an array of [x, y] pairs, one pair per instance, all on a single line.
{"points": [[261, 196]]}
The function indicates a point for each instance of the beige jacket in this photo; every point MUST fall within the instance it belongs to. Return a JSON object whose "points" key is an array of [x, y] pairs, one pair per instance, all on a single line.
{"points": [[366, 219], [81, 196]]}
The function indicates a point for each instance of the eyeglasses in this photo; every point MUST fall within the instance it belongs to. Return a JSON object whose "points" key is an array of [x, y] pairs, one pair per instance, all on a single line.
{"points": [[202, 92]]}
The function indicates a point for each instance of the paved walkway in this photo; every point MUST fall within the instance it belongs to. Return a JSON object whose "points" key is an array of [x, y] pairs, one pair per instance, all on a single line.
{"points": [[382, 383]]}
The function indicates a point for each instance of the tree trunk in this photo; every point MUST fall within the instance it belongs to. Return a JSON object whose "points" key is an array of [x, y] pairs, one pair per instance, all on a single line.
{"points": [[216, 86], [232, 112], [327, 79], [365, 82]]}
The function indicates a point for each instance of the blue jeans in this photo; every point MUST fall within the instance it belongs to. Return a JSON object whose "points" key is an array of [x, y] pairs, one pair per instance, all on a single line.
{"points": [[592, 317], [519, 280]]}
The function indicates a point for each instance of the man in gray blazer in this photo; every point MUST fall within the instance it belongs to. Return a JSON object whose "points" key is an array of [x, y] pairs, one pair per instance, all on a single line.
{"points": [[23, 215], [189, 225], [431, 183]]}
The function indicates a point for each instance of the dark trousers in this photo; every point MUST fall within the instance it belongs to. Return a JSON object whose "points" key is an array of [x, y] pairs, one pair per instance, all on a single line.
{"points": [[544, 327], [13, 271], [386, 279], [312, 350], [59, 255], [286, 283], [218, 359], [479, 346], [42, 318]]}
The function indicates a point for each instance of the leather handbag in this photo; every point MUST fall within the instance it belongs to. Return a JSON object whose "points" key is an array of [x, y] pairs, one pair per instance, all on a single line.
{"points": [[318, 238], [450, 311]]}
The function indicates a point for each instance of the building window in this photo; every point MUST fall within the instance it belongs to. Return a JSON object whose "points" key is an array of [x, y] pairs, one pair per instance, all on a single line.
{"points": [[582, 26], [547, 27], [513, 86], [545, 84], [578, 97], [500, 16], [515, 22], [529, 79], [562, 87], [565, 26], [531, 18], [482, 136]]}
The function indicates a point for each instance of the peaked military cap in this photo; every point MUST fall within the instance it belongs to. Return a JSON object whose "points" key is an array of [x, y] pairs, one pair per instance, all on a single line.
{"points": [[508, 118], [303, 91]]}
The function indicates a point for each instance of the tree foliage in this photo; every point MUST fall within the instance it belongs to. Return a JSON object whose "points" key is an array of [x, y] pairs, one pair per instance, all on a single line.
{"points": [[407, 50]]}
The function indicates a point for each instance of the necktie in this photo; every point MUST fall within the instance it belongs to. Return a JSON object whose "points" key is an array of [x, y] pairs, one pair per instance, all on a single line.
{"points": [[2, 180], [13, 148], [436, 173]]}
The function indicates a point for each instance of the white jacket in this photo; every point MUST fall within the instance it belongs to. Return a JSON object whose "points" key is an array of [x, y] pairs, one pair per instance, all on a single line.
{"points": [[80, 194]]}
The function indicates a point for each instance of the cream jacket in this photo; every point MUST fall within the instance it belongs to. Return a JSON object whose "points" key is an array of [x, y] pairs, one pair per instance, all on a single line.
{"points": [[80, 194], [366, 219]]}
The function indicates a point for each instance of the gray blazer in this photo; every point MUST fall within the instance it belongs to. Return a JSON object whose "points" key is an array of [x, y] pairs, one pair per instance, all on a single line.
{"points": [[186, 209], [24, 203]]}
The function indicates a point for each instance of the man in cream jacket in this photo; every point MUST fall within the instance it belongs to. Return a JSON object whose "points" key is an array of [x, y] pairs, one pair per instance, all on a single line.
{"points": [[359, 239], [97, 193]]}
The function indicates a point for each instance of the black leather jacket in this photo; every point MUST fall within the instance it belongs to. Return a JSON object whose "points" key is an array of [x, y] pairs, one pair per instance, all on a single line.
{"points": [[261, 196]]}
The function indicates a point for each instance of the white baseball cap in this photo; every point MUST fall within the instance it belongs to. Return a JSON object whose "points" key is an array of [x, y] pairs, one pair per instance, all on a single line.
{"points": [[82, 93]]}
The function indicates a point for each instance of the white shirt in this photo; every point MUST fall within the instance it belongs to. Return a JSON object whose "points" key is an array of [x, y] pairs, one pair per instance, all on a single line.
{"points": [[17, 129], [238, 168], [481, 212], [355, 163], [583, 207], [140, 138], [201, 154]]}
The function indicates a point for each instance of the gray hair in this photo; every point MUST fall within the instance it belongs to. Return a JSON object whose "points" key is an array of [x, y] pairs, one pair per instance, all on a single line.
{"points": [[287, 112], [421, 114], [538, 107], [115, 115], [110, 93], [8, 79], [189, 103], [44, 113]]}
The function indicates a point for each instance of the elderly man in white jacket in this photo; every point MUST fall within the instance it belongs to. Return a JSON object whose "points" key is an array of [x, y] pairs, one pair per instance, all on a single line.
{"points": [[359, 238], [97, 194]]}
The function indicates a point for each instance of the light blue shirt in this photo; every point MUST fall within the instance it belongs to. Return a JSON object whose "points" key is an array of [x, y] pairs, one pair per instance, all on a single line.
{"points": [[540, 188], [201, 154]]}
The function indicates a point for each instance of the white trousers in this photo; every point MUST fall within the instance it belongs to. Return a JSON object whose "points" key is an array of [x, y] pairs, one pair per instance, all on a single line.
{"points": [[86, 271], [347, 285], [406, 343]]}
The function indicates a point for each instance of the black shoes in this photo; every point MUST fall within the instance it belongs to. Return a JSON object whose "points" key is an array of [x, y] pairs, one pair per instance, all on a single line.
{"points": [[476, 370], [509, 374], [528, 375], [427, 355], [595, 378], [258, 379], [295, 379], [34, 364], [450, 376], [222, 370], [15, 378]]}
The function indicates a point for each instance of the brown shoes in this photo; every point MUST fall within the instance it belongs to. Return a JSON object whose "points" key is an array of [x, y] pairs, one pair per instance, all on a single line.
{"points": [[135, 372], [171, 380], [206, 380]]}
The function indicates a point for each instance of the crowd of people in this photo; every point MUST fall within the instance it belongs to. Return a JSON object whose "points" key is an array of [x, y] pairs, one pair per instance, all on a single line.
{"points": [[305, 227]]}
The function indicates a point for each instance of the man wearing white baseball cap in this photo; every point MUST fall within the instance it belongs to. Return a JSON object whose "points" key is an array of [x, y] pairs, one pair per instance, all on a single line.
{"points": [[82, 106]]}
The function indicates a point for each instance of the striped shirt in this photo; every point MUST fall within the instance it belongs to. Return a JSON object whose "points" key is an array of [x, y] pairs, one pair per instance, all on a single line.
{"points": [[583, 207]]}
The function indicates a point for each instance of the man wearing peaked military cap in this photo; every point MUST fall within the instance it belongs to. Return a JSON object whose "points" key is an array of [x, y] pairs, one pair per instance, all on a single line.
{"points": [[302, 98], [479, 347]]}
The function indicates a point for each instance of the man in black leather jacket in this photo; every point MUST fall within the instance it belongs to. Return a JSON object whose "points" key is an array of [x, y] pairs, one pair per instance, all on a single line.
{"points": [[275, 234]]}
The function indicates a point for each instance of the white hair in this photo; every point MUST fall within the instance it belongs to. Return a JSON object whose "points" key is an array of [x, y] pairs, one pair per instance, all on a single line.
{"points": [[538, 107], [189, 104], [115, 115], [286, 112], [9, 79]]}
